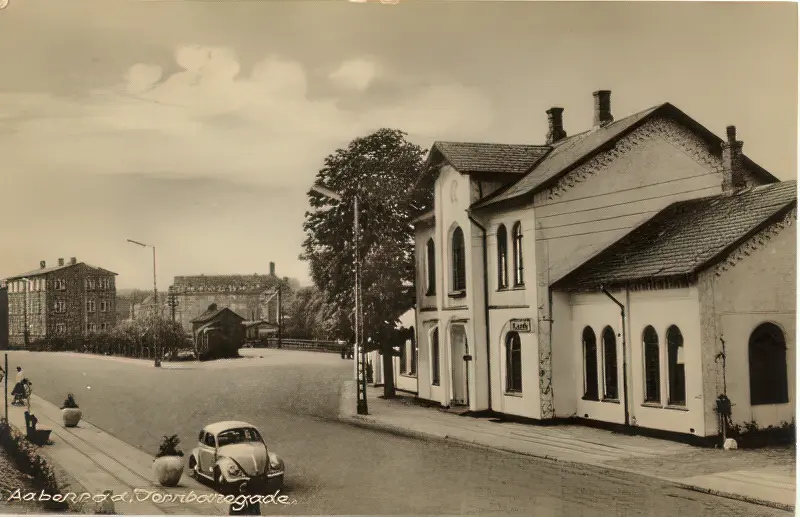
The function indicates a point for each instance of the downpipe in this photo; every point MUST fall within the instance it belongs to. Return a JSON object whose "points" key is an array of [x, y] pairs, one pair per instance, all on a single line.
{"points": [[624, 356], [486, 309]]}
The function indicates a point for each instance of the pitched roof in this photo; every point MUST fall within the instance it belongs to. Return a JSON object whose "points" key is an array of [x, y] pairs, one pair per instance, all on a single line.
{"points": [[44, 271], [470, 157], [685, 237], [213, 314], [575, 150]]}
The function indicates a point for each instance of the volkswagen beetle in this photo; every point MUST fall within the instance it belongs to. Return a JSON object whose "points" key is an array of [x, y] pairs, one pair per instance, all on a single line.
{"points": [[233, 455]]}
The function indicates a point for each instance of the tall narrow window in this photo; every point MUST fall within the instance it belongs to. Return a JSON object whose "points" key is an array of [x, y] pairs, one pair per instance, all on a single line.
{"points": [[430, 265], [413, 367], [519, 277], [589, 364], [513, 362], [677, 373], [652, 365], [435, 357], [611, 390], [459, 261], [502, 257], [768, 378]]}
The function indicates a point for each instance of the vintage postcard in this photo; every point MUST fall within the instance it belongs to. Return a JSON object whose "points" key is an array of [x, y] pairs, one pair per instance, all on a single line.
{"points": [[398, 257]]}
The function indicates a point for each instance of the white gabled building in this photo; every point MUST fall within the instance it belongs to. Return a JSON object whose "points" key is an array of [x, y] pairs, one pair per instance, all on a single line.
{"points": [[526, 245]]}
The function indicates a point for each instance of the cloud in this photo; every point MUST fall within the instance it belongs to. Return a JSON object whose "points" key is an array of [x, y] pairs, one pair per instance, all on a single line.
{"points": [[356, 74], [212, 118]]}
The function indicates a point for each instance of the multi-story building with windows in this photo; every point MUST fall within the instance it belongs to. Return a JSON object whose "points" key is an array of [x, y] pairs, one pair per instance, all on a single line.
{"points": [[71, 298], [602, 276]]}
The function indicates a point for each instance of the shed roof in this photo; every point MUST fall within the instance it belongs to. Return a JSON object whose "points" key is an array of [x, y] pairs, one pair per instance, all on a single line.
{"points": [[685, 237]]}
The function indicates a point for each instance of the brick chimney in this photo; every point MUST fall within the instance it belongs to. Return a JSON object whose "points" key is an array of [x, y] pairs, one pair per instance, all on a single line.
{"points": [[61, 262], [556, 125], [733, 175], [42, 264], [73, 261], [602, 108], [271, 269]]}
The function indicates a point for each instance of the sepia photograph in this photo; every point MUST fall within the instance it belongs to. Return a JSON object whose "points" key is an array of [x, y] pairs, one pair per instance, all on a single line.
{"points": [[398, 257]]}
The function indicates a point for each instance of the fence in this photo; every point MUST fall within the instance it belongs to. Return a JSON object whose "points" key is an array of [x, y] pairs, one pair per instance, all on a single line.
{"points": [[309, 345]]}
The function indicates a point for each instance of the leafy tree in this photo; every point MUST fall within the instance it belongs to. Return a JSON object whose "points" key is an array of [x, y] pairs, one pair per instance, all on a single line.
{"points": [[380, 170]]}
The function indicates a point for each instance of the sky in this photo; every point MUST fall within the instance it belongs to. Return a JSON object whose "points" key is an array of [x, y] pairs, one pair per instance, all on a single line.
{"points": [[199, 126]]}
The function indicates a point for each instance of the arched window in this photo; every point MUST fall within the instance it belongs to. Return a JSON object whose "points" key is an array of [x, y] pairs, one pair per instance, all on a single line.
{"points": [[435, 357], [768, 378], [677, 373], [459, 261], [513, 362], [610, 382], [652, 365], [502, 257], [589, 364], [430, 268], [519, 277]]}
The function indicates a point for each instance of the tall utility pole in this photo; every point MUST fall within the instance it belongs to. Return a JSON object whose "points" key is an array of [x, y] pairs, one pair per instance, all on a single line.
{"points": [[172, 300], [280, 318], [359, 352]]}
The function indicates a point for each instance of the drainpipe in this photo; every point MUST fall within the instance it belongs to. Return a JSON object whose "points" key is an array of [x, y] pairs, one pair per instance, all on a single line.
{"points": [[624, 356], [486, 309]]}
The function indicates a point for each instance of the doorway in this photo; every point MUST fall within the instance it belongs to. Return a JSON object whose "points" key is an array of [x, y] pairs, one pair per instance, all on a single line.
{"points": [[460, 377]]}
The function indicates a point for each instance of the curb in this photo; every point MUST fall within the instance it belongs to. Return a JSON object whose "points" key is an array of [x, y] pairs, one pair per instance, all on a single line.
{"points": [[369, 423]]}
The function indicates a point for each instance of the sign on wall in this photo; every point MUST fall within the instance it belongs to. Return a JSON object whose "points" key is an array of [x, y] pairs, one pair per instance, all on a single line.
{"points": [[521, 325]]}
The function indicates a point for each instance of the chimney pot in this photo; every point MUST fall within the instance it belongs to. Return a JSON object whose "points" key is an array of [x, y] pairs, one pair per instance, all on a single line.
{"points": [[602, 108], [42, 264], [555, 122], [73, 261], [731, 130], [61, 262], [733, 173]]}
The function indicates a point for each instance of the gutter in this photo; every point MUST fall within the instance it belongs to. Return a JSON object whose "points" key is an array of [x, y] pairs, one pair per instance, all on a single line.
{"points": [[486, 309], [624, 356]]}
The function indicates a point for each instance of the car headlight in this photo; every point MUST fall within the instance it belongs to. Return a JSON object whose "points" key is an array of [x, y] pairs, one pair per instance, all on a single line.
{"points": [[275, 463], [234, 470]]}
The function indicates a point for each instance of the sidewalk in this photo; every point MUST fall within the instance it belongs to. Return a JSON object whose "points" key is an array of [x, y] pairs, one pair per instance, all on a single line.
{"points": [[94, 461], [765, 477]]}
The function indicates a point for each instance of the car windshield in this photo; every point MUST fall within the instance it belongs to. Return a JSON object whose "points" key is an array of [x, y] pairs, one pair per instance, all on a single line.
{"points": [[243, 434]]}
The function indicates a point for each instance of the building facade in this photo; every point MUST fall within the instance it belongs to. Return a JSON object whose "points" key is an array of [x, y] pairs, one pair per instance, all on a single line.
{"points": [[253, 297], [71, 298], [509, 222]]}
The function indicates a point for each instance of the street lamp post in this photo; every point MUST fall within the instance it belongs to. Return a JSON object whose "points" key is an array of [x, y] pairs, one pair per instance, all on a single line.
{"points": [[156, 311], [360, 355]]}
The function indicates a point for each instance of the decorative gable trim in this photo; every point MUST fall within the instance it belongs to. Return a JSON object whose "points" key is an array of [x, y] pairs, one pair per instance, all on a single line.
{"points": [[680, 136], [756, 242]]}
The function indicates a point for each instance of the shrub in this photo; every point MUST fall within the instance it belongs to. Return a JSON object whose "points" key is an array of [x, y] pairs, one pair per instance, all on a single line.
{"points": [[169, 447], [30, 462], [69, 402], [749, 435]]}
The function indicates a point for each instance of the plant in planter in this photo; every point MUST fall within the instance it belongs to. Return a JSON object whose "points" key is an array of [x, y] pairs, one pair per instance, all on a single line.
{"points": [[168, 465], [70, 411]]}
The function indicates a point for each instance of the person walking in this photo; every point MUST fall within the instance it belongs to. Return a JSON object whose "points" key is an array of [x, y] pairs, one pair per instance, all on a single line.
{"points": [[20, 374]]}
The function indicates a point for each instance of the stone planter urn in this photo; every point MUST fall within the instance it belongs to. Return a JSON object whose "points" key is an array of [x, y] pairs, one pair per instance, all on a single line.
{"points": [[168, 470], [70, 411], [168, 465], [72, 416]]}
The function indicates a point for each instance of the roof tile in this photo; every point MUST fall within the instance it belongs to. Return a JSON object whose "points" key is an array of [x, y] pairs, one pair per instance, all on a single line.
{"points": [[469, 157], [684, 237]]}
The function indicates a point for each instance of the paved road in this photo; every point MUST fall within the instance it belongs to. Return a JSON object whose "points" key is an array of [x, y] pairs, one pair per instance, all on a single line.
{"points": [[293, 398]]}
